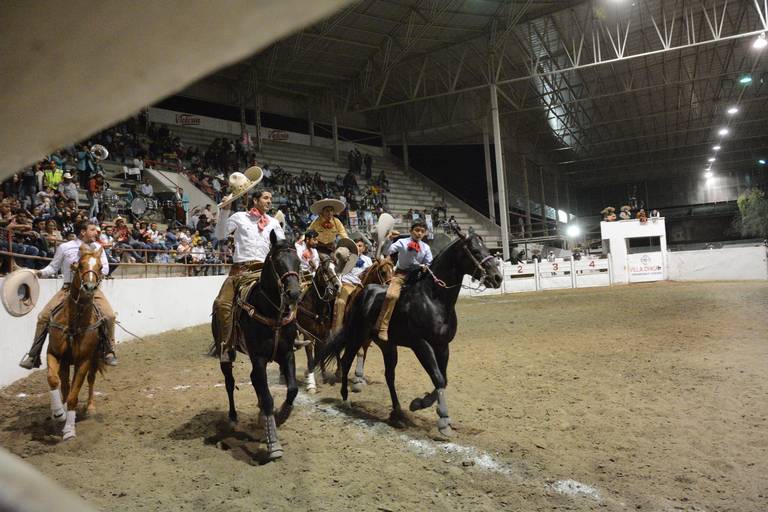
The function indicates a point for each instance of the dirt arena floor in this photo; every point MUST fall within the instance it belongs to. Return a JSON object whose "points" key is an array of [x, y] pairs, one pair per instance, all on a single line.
{"points": [[643, 397]]}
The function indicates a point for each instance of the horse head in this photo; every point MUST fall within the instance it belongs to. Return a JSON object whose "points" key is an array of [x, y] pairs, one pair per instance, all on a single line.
{"points": [[326, 277], [285, 265], [87, 272], [477, 260], [385, 269]]}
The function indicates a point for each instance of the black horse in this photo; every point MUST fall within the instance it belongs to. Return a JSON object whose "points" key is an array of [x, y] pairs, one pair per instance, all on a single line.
{"points": [[424, 320], [267, 322]]}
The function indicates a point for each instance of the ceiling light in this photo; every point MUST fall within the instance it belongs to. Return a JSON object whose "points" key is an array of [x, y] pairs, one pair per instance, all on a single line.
{"points": [[761, 42], [716, 148], [711, 159], [745, 80], [708, 174], [573, 231], [723, 132], [733, 110], [761, 161]]}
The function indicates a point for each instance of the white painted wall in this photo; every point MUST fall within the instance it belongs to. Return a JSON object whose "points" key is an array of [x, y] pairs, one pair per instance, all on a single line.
{"points": [[143, 306], [732, 263]]}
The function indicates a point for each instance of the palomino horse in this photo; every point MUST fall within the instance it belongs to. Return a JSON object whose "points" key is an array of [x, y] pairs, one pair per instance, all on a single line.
{"points": [[267, 321], [316, 312], [74, 340], [424, 320]]}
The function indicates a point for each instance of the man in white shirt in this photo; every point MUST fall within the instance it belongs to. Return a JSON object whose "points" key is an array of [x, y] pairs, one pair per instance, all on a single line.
{"points": [[68, 254], [251, 234], [146, 188], [349, 282], [308, 255]]}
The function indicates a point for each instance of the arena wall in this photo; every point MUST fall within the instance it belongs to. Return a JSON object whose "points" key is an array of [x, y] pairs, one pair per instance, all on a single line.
{"points": [[143, 306], [732, 263]]}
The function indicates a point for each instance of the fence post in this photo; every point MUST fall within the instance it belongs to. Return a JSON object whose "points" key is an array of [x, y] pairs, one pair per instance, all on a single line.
{"points": [[537, 278], [573, 273]]}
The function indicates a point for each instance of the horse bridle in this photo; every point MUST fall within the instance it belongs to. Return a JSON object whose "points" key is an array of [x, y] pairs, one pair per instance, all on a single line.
{"points": [[328, 295], [479, 264]]}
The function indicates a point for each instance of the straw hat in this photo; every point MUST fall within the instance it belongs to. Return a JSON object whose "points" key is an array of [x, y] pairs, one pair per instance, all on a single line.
{"points": [[318, 206], [20, 292], [345, 255], [241, 182], [67, 176]]}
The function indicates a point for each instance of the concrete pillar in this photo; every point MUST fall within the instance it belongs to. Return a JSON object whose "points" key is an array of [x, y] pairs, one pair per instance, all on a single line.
{"points": [[543, 203], [257, 109], [335, 129], [528, 226], [406, 161], [488, 172], [503, 210], [311, 128]]}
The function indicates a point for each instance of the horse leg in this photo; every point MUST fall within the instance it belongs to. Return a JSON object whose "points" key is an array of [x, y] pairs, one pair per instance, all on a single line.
{"points": [[427, 358], [58, 413], [389, 352], [311, 384], [441, 355], [359, 382], [267, 405], [81, 372], [64, 378], [288, 365], [229, 384], [91, 407], [344, 366]]}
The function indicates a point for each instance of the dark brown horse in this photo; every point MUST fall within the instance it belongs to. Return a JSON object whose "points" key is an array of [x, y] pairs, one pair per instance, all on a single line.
{"points": [[315, 312], [74, 341]]}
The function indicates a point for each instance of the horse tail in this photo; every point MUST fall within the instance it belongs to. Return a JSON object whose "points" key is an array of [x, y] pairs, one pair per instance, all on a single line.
{"points": [[348, 338]]}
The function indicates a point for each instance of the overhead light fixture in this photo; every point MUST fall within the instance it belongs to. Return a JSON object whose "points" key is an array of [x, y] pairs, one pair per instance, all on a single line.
{"points": [[761, 42], [761, 161], [711, 159], [708, 174], [723, 132], [733, 110], [745, 80], [573, 231], [716, 148]]}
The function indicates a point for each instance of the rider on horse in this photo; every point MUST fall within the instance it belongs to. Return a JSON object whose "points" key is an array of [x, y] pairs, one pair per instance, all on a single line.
{"points": [[327, 225], [412, 254], [67, 254], [349, 282], [307, 251], [252, 244]]}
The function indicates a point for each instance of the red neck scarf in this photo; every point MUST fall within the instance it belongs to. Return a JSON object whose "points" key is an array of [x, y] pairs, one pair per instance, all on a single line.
{"points": [[261, 217], [413, 245], [328, 224]]}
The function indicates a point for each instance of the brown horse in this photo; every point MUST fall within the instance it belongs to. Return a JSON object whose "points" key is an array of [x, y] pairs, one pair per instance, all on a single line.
{"points": [[74, 340], [379, 273]]}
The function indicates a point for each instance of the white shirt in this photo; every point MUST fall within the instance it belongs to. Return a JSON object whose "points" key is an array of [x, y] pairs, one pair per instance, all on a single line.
{"points": [[147, 189], [305, 263], [408, 259], [250, 243], [68, 254], [353, 276]]}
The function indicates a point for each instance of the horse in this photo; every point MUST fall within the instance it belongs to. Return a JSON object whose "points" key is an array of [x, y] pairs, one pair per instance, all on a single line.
{"points": [[267, 323], [424, 320], [74, 340], [315, 312]]}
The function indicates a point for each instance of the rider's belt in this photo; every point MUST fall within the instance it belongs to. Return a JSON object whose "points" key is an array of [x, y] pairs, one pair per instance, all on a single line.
{"points": [[246, 266]]}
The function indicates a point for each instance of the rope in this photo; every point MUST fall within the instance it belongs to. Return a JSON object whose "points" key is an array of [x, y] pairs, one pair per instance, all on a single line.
{"points": [[119, 324]]}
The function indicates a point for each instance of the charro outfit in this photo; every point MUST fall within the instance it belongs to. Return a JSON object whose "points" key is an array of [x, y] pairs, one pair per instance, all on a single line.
{"points": [[251, 230], [68, 254], [327, 231], [411, 254], [308, 258], [349, 282]]}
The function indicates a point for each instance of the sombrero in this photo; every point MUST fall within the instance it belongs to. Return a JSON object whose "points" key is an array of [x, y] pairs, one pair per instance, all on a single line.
{"points": [[345, 256], [318, 206], [385, 224], [357, 234], [280, 217], [240, 183], [20, 292]]}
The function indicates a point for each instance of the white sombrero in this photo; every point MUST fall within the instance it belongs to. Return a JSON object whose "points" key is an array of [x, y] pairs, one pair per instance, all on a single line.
{"points": [[241, 182], [345, 256], [20, 292], [318, 206]]}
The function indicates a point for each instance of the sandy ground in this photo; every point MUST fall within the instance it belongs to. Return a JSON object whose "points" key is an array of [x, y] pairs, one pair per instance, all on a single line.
{"points": [[649, 397]]}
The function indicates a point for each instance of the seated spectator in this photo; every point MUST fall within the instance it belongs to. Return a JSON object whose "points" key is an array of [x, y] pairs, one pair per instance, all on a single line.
{"points": [[68, 188], [146, 188], [107, 242]]}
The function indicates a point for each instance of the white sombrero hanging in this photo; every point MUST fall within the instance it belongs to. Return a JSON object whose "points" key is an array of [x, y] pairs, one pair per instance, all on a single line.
{"points": [[20, 292], [240, 183]]}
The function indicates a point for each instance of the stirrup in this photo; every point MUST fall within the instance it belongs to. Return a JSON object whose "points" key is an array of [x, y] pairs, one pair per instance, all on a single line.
{"points": [[30, 363]]}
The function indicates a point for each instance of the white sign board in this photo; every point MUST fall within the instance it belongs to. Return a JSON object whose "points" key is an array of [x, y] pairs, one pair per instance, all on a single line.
{"points": [[646, 266]]}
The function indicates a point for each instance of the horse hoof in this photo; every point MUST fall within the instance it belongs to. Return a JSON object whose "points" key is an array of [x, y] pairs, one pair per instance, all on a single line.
{"points": [[275, 454], [447, 431], [416, 405], [357, 387], [69, 435], [311, 391], [232, 424], [60, 417]]}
